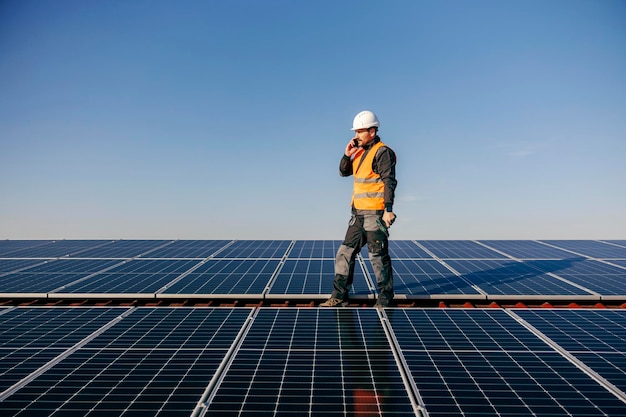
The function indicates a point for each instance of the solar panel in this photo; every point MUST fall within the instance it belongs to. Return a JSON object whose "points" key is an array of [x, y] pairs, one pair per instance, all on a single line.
{"points": [[154, 362], [313, 277], [227, 277], [591, 248], [121, 249], [518, 278], [9, 265], [527, 249], [32, 337], [598, 277], [314, 249], [313, 362], [426, 278], [483, 363], [296, 360], [8, 247], [188, 249], [255, 249], [46, 277], [132, 277], [56, 249], [407, 249], [459, 249], [596, 337]]}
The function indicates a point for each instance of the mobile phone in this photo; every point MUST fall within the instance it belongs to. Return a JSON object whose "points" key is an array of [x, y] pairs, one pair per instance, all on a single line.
{"points": [[383, 228], [355, 142]]}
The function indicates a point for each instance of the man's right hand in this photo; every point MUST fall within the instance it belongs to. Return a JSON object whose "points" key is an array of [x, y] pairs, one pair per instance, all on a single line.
{"points": [[351, 148]]}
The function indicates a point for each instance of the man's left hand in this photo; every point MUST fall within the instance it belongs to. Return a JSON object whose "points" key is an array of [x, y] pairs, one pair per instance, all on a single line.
{"points": [[389, 218]]}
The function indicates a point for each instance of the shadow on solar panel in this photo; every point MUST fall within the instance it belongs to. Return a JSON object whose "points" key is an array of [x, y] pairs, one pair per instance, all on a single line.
{"points": [[531, 277]]}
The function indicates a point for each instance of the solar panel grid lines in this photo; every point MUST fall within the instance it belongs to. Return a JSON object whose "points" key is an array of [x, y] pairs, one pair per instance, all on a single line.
{"points": [[61, 354], [501, 278], [527, 249], [591, 249], [460, 249], [313, 362], [272, 279], [477, 362], [322, 249], [223, 277], [181, 276], [155, 361], [7, 247], [573, 359], [447, 286], [61, 248], [125, 279], [595, 276], [269, 249], [408, 249], [595, 337]]}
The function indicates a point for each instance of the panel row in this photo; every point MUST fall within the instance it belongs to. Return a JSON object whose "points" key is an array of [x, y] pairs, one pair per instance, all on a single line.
{"points": [[311, 361], [299, 249], [575, 278]]}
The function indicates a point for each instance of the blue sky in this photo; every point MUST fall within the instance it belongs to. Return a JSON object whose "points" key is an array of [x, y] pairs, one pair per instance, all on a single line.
{"points": [[227, 120]]}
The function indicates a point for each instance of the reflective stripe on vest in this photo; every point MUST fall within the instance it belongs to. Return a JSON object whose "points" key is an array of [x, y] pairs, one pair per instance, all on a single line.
{"points": [[369, 190]]}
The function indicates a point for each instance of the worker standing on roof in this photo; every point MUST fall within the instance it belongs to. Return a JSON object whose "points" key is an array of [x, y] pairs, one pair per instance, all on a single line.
{"points": [[373, 165]]}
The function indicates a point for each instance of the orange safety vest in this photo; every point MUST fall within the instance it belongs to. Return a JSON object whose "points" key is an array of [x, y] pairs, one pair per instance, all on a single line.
{"points": [[369, 190]]}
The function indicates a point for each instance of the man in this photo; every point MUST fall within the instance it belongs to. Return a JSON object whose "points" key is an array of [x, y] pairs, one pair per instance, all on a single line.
{"points": [[373, 166]]}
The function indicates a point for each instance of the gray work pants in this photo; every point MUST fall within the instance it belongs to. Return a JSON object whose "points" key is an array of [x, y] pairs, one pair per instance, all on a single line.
{"points": [[363, 229]]}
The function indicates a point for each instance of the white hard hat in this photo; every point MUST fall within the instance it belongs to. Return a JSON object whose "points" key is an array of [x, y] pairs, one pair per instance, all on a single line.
{"points": [[365, 120]]}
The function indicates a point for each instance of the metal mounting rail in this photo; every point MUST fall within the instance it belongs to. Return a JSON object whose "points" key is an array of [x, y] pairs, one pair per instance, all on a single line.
{"points": [[220, 373], [419, 407]]}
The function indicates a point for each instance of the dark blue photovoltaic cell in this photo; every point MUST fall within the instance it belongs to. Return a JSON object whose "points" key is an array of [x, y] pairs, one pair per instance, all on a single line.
{"points": [[483, 363], [621, 263], [596, 337], [313, 276], [517, 278], [527, 249], [136, 276], [57, 249], [255, 249], [155, 362], [224, 276], [9, 247], [459, 249], [425, 278], [8, 265], [314, 249], [51, 275], [188, 249], [406, 249], [596, 276], [591, 248], [121, 249], [32, 337], [72, 266], [301, 362]]}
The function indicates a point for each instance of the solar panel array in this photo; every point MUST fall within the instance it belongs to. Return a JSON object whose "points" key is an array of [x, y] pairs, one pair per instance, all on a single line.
{"points": [[260, 269], [278, 360]]}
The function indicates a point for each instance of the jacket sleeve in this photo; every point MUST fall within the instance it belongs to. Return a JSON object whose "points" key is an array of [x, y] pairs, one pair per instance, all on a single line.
{"points": [[385, 166], [345, 166]]}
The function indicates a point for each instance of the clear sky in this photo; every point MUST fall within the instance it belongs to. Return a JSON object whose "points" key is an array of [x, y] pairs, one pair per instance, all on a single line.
{"points": [[136, 119]]}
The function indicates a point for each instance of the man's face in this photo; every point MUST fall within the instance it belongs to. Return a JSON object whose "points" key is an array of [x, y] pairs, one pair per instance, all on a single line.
{"points": [[365, 136]]}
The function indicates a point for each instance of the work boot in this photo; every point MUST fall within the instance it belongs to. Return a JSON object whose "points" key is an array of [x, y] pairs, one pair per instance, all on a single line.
{"points": [[334, 302]]}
